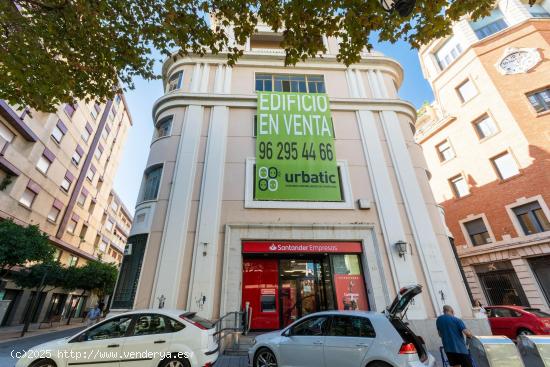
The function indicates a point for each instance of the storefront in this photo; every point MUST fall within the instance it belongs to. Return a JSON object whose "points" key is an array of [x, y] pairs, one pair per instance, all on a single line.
{"points": [[285, 280]]}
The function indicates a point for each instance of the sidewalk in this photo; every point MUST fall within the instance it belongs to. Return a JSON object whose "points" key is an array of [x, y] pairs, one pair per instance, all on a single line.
{"points": [[9, 333]]}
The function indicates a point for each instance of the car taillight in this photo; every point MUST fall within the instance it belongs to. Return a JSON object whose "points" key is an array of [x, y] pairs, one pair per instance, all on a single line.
{"points": [[209, 364], [407, 348]]}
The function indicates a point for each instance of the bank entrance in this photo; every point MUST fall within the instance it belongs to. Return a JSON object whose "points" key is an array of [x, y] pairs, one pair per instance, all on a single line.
{"points": [[283, 281]]}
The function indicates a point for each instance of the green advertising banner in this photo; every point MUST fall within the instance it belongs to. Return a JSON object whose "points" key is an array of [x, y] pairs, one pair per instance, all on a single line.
{"points": [[295, 157]]}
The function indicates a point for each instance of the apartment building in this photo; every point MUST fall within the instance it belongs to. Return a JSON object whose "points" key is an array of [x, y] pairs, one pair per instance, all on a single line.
{"points": [[57, 171], [214, 230], [486, 140]]}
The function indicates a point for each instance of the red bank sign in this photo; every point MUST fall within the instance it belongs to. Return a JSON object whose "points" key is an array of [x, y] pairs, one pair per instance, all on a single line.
{"points": [[291, 247]]}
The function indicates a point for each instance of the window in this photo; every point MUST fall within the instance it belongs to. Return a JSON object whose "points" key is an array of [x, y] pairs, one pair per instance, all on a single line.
{"points": [[114, 205], [111, 329], [505, 165], [466, 91], [118, 98], [485, 127], [459, 186], [538, 11], [313, 326], [45, 161], [448, 52], [67, 181], [71, 226], [110, 225], [73, 260], [87, 132], [77, 155], [103, 245], [70, 109], [445, 151], [105, 132], [98, 152], [83, 232], [532, 219], [540, 100], [6, 133], [152, 183], [290, 83], [478, 232], [503, 312], [59, 131], [54, 213], [82, 197], [94, 112], [149, 325], [28, 197], [489, 25], [174, 325], [91, 173], [358, 327], [91, 207], [164, 127], [112, 115], [175, 81]]}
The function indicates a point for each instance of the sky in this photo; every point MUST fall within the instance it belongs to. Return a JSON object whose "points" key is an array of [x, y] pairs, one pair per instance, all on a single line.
{"points": [[415, 89]]}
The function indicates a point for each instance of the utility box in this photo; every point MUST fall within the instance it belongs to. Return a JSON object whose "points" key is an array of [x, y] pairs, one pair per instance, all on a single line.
{"points": [[534, 350], [495, 351]]}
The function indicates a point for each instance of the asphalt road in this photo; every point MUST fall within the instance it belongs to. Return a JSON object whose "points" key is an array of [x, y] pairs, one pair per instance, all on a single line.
{"points": [[9, 349]]}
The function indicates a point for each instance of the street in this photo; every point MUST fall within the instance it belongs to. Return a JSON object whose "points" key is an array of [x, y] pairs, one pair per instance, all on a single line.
{"points": [[12, 347]]}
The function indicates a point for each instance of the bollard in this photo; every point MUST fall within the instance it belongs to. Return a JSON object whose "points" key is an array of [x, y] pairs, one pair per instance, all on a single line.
{"points": [[494, 351], [534, 350]]}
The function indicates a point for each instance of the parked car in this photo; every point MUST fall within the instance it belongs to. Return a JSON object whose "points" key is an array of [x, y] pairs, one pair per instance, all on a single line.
{"points": [[146, 338], [345, 339], [512, 321]]}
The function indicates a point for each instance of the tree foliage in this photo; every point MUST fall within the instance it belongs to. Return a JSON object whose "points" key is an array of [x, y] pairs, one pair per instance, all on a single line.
{"points": [[54, 51], [96, 276], [20, 245], [51, 272]]}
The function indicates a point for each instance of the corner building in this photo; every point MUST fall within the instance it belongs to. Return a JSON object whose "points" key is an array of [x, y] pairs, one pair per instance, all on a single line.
{"points": [[202, 241], [486, 140]]}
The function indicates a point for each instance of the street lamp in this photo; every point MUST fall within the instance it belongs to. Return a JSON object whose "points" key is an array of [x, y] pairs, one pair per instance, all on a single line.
{"points": [[401, 247], [403, 7]]}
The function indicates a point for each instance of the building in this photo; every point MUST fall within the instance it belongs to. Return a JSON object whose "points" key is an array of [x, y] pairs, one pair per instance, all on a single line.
{"points": [[56, 171], [208, 238], [486, 140]]}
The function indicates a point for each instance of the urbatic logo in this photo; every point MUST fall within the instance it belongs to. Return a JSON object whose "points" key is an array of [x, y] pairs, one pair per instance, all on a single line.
{"points": [[273, 247], [268, 179]]}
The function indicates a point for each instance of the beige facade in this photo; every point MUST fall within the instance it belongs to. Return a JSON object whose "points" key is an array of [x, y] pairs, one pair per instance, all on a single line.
{"points": [[197, 206], [57, 171], [486, 140]]}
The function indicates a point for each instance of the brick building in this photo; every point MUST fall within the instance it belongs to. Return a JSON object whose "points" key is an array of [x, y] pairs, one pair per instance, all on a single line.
{"points": [[57, 171], [486, 140]]}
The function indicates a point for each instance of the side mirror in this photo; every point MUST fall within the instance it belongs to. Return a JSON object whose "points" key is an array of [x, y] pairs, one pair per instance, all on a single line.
{"points": [[286, 333]]}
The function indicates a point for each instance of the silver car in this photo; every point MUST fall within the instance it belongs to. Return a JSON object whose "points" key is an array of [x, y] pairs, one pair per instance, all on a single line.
{"points": [[345, 339]]}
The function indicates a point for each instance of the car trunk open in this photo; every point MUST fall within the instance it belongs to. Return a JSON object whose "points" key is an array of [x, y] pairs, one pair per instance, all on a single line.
{"points": [[397, 311]]}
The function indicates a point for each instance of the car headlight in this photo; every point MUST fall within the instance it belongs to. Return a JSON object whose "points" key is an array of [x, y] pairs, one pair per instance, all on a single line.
{"points": [[253, 341]]}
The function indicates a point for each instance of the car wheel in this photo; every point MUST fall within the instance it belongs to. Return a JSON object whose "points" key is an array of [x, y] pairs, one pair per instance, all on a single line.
{"points": [[174, 362], [378, 364], [265, 358], [44, 363], [525, 332]]}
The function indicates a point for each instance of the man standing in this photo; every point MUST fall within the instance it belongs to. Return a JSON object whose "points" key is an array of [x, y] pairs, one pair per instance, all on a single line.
{"points": [[452, 330], [93, 316]]}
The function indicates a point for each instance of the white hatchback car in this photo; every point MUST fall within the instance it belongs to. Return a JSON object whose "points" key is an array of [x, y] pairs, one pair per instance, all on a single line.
{"points": [[345, 339], [145, 338]]}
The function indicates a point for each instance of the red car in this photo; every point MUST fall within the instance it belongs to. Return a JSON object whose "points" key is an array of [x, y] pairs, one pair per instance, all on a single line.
{"points": [[513, 321]]}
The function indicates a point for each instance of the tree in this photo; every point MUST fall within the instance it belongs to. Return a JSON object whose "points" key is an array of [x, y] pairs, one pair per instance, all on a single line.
{"points": [[96, 276], [41, 276], [54, 51], [20, 245]]}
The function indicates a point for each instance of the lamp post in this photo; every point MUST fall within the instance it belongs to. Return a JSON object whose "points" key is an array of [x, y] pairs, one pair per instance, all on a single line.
{"points": [[403, 7], [34, 304]]}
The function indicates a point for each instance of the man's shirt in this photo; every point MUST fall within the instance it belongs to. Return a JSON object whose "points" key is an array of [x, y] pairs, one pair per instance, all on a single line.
{"points": [[450, 329]]}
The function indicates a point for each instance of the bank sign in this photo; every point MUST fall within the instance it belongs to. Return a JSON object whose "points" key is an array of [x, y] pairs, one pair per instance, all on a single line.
{"points": [[295, 156]]}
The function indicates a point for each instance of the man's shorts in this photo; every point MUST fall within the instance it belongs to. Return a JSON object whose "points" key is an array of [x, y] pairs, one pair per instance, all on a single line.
{"points": [[459, 359]]}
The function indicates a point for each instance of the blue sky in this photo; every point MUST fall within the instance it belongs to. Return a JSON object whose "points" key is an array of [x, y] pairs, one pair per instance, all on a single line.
{"points": [[140, 101]]}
